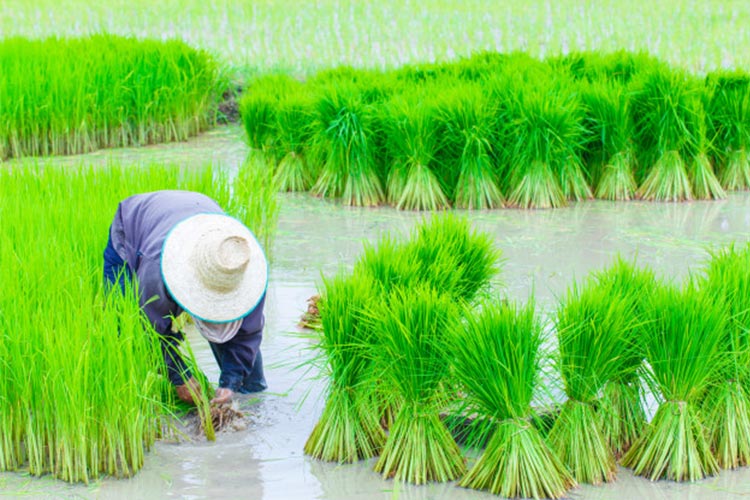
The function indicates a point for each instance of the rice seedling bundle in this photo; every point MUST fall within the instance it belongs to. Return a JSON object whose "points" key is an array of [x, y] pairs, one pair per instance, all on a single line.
{"points": [[412, 329], [546, 126], [349, 428], [343, 128], [73, 95], [703, 180], [469, 121], [727, 406], [621, 408], [414, 178], [663, 101], [594, 339], [609, 131], [82, 391], [497, 361], [684, 346], [294, 118], [729, 124]]}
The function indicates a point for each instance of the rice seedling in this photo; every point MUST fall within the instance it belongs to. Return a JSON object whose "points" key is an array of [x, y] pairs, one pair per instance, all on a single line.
{"points": [[294, 118], [728, 112], [496, 359], [343, 121], [703, 180], [349, 428], [609, 130], [594, 338], [684, 346], [52, 103], [727, 405], [411, 126], [411, 328], [621, 408], [546, 125], [663, 100], [469, 119]]}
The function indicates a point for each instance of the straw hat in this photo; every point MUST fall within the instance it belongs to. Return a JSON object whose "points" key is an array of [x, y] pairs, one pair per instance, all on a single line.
{"points": [[214, 268]]}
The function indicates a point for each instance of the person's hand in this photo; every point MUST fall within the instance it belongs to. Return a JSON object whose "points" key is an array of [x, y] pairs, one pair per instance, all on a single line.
{"points": [[186, 391], [223, 395]]}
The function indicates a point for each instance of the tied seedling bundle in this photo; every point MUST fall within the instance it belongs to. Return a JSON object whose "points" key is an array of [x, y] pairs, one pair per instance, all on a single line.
{"points": [[621, 408], [594, 338], [729, 124], [294, 118], [727, 405], [546, 136], [705, 184], [469, 122], [609, 133], [412, 328], [663, 101], [496, 360], [685, 351], [415, 180], [349, 428], [342, 139]]}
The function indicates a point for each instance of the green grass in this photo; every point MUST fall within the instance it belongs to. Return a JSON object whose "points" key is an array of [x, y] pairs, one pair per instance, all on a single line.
{"points": [[67, 96]]}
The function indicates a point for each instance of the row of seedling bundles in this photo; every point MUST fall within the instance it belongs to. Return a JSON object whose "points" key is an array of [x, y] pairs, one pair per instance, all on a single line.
{"points": [[82, 391], [421, 354], [497, 130], [73, 95]]}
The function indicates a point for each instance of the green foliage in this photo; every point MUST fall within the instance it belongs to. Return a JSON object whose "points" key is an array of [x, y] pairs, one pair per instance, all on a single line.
{"points": [[73, 95]]}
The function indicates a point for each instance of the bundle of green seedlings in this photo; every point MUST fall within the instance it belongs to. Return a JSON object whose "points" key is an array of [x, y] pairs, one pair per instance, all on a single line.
{"points": [[595, 341], [545, 128], [469, 126], [73, 95], [698, 151], [349, 428], [84, 392], [726, 408], [496, 358], [411, 325], [609, 134], [621, 409], [729, 124], [685, 346], [414, 182], [666, 108]]}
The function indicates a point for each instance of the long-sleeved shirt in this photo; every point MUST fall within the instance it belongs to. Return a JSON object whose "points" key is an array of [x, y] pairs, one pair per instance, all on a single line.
{"points": [[140, 226]]}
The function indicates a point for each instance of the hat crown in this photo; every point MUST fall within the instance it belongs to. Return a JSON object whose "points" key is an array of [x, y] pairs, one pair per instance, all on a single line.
{"points": [[220, 261]]}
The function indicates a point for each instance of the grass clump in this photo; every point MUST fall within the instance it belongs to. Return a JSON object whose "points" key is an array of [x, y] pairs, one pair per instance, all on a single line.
{"points": [[496, 359], [62, 96], [683, 346]]}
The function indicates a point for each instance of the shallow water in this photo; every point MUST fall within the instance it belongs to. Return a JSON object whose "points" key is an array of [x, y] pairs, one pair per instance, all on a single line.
{"points": [[543, 251]]}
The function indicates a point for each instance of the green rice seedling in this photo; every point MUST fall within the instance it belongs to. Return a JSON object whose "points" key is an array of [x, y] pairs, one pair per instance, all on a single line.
{"points": [[703, 180], [349, 428], [497, 360], [343, 122], [52, 102], [684, 348], [728, 112], [594, 339], [411, 328], [609, 131], [663, 101], [727, 406], [411, 127], [294, 129], [546, 124], [621, 408], [469, 119]]}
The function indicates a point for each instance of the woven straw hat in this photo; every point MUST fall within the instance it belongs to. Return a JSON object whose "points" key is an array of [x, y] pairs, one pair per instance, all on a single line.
{"points": [[214, 267]]}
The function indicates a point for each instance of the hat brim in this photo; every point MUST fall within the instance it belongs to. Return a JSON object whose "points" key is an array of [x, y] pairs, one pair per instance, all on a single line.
{"points": [[184, 284]]}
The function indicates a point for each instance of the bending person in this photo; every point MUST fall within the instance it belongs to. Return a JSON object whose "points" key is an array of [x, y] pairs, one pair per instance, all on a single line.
{"points": [[187, 255]]}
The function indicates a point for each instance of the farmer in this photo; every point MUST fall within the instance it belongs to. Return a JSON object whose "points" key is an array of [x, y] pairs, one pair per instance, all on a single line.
{"points": [[187, 255]]}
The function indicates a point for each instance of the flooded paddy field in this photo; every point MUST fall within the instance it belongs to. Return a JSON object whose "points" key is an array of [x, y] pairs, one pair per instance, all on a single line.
{"points": [[543, 252]]}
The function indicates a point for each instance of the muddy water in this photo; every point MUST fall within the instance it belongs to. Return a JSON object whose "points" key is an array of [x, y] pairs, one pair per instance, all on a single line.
{"points": [[543, 251]]}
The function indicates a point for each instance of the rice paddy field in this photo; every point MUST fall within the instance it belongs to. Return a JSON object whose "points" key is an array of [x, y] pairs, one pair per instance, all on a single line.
{"points": [[469, 339]]}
